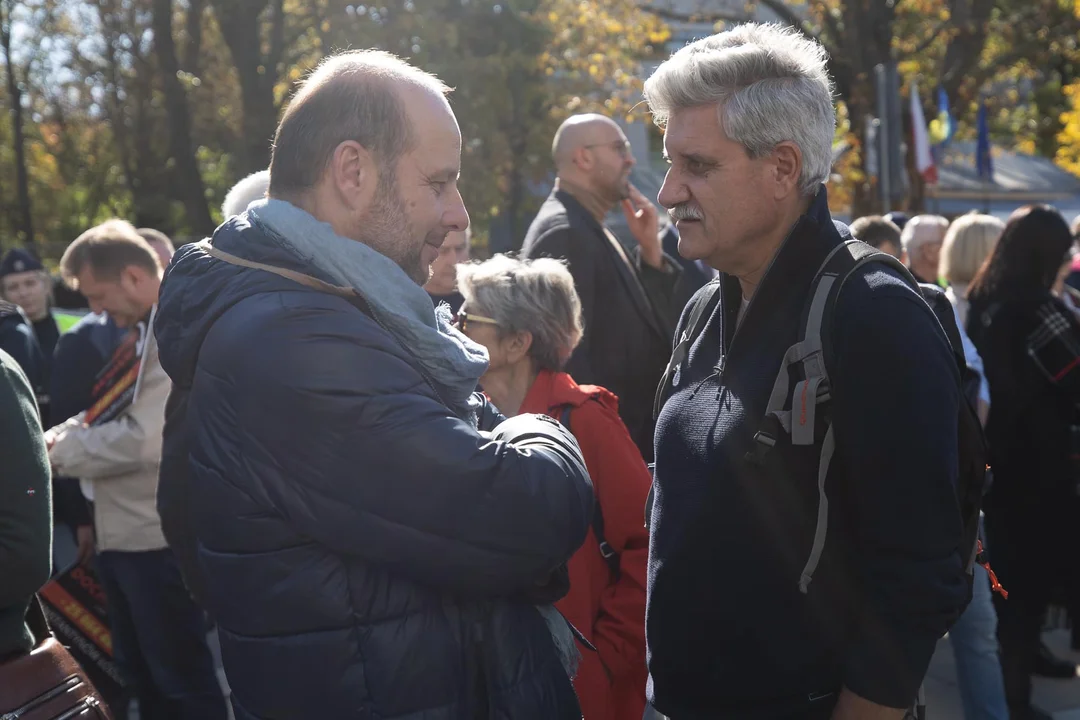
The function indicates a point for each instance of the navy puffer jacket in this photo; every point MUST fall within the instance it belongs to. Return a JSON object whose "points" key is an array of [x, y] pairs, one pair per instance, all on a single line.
{"points": [[365, 553]]}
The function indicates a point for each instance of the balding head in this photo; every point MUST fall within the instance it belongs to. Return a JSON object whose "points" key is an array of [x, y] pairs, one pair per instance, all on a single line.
{"points": [[592, 152], [353, 96], [579, 131], [370, 146]]}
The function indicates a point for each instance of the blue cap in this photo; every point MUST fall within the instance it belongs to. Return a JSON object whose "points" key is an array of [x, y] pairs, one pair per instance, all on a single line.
{"points": [[19, 260]]}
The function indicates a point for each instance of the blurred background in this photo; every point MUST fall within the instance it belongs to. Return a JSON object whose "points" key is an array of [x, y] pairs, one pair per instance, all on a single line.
{"points": [[152, 109]]}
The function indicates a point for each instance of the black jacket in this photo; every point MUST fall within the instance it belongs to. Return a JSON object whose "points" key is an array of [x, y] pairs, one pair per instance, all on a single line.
{"points": [[1030, 346], [25, 527], [80, 355], [729, 633], [17, 339], [364, 552], [627, 338]]}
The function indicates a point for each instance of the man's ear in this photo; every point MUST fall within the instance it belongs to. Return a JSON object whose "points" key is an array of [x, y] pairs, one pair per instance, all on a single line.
{"points": [[354, 174], [788, 161], [583, 158], [131, 277]]}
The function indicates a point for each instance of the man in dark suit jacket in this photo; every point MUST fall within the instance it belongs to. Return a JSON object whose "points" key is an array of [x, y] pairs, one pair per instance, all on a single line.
{"points": [[624, 295]]}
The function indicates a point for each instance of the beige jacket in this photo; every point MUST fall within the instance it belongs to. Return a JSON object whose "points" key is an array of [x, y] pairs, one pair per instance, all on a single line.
{"points": [[121, 459]]}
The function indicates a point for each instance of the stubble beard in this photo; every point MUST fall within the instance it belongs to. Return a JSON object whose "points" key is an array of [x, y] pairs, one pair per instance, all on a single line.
{"points": [[387, 230]]}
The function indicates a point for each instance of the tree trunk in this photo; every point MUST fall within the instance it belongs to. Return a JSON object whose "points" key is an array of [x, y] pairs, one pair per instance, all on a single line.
{"points": [[240, 26], [188, 180], [22, 177], [115, 109], [971, 18], [193, 42]]}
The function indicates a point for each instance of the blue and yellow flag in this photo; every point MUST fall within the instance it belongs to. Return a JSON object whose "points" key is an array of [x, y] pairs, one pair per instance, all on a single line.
{"points": [[943, 127]]}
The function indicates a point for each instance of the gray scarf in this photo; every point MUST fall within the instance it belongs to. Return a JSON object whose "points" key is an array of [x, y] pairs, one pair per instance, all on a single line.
{"points": [[450, 360]]}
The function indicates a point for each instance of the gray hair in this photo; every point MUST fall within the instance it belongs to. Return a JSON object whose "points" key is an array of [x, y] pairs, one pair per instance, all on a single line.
{"points": [[245, 192], [349, 96], [923, 230], [537, 296], [770, 84]]}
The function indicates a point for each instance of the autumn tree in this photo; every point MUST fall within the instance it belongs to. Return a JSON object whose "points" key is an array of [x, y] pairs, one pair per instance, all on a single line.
{"points": [[518, 69], [1068, 153], [254, 31], [190, 188], [966, 46], [15, 106]]}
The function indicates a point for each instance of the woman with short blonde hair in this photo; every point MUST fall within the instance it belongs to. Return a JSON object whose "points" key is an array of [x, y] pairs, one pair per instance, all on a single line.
{"points": [[970, 240]]}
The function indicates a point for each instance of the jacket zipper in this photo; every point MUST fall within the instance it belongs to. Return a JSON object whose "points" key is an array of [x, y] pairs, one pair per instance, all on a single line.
{"points": [[722, 365], [67, 686]]}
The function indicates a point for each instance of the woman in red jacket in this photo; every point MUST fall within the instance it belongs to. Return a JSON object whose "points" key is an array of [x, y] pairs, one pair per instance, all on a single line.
{"points": [[528, 315]]}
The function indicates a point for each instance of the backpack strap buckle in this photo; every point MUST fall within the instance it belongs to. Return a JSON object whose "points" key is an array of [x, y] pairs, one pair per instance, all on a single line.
{"points": [[763, 443]]}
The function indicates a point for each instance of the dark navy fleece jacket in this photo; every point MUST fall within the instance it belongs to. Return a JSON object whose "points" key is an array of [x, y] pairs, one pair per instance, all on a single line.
{"points": [[729, 633]]}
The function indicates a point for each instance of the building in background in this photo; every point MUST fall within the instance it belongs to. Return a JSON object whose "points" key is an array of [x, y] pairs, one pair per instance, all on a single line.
{"points": [[1018, 179]]}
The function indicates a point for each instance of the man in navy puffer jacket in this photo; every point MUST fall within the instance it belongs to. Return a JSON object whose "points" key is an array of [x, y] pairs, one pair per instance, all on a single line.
{"points": [[371, 540]]}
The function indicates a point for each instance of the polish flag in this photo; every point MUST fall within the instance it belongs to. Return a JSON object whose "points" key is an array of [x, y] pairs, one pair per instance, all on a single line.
{"points": [[924, 159]]}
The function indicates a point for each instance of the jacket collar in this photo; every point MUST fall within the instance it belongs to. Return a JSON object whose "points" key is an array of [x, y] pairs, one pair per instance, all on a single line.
{"points": [[574, 209], [553, 390], [808, 243], [577, 210]]}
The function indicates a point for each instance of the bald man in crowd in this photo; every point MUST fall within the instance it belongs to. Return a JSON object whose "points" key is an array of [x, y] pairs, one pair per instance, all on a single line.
{"points": [[624, 294]]}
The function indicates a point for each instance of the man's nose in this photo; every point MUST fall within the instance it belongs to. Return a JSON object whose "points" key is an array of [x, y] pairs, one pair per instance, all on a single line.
{"points": [[672, 192], [456, 216]]}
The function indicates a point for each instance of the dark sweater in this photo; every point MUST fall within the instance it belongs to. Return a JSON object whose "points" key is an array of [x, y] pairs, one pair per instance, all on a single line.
{"points": [[18, 340], [80, 355], [25, 507], [729, 633]]}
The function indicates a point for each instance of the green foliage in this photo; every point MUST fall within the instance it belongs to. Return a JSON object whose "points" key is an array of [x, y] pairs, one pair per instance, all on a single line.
{"points": [[97, 137]]}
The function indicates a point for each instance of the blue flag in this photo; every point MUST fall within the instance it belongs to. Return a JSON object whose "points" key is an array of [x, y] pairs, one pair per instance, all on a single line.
{"points": [[943, 127], [984, 164]]}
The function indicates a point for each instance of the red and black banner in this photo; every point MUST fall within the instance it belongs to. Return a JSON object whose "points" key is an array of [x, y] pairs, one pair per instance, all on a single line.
{"points": [[114, 388], [74, 603]]}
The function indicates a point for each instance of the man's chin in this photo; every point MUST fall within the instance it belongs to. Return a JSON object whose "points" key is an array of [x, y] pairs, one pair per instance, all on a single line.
{"points": [[421, 274]]}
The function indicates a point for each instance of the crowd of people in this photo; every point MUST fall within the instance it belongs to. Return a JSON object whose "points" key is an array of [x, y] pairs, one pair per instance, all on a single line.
{"points": [[400, 484]]}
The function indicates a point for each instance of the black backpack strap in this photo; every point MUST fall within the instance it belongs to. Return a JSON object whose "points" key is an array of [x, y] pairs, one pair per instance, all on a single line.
{"points": [[840, 267], [812, 354], [707, 299], [606, 551]]}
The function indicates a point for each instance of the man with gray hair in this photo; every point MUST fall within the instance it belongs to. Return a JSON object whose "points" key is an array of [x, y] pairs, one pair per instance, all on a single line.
{"points": [[371, 538], [922, 239], [805, 551]]}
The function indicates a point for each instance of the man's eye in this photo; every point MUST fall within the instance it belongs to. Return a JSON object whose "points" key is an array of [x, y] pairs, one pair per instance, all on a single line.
{"points": [[696, 167]]}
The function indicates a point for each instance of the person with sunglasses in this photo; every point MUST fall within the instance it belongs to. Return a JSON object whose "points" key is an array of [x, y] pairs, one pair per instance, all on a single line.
{"points": [[528, 316], [625, 296]]}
